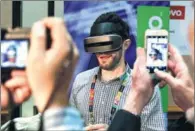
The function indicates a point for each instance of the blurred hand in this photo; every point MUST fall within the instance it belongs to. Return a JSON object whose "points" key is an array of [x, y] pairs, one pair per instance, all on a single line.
{"points": [[50, 70], [97, 127], [181, 84], [18, 87], [191, 38], [142, 85], [162, 84]]}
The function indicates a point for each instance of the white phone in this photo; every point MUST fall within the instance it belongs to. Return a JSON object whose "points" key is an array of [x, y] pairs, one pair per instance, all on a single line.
{"points": [[156, 44]]}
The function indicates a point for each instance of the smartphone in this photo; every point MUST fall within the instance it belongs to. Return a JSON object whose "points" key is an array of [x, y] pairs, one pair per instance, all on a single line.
{"points": [[14, 50], [156, 44], [13, 56], [14, 53]]}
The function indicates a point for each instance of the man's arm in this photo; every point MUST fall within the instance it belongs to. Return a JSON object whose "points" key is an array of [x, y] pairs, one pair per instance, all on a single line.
{"points": [[139, 95], [152, 117], [125, 121]]}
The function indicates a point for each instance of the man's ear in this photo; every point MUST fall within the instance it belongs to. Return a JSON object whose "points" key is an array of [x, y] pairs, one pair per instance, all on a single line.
{"points": [[126, 44]]}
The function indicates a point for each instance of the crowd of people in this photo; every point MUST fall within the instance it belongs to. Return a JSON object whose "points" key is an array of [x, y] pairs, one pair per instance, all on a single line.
{"points": [[109, 97]]}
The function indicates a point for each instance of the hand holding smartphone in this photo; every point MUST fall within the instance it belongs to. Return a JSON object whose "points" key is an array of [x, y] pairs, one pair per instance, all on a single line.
{"points": [[14, 50], [156, 44]]}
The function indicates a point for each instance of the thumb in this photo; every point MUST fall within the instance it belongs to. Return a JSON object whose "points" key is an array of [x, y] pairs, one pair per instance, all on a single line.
{"points": [[166, 77], [140, 52], [141, 55], [140, 60]]}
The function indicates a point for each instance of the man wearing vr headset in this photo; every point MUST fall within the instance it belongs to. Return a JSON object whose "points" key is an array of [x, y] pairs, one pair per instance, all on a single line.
{"points": [[98, 93]]}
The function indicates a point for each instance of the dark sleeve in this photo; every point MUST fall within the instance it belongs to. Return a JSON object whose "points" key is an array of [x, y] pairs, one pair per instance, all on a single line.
{"points": [[125, 121], [181, 125]]}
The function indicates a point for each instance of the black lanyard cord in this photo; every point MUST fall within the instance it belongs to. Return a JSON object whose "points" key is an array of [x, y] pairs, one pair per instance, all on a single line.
{"points": [[12, 109]]}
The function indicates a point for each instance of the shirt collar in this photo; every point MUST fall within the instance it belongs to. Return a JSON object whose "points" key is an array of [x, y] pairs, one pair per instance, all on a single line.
{"points": [[121, 78]]}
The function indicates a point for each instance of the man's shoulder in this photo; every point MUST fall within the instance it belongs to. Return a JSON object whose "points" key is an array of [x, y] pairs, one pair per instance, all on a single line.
{"points": [[23, 123], [87, 74], [83, 79]]}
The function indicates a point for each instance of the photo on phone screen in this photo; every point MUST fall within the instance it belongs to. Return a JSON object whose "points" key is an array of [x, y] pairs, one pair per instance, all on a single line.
{"points": [[14, 53], [157, 49]]}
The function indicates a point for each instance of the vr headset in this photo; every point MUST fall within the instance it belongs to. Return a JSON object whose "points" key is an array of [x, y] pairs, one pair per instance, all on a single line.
{"points": [[101, 41]]}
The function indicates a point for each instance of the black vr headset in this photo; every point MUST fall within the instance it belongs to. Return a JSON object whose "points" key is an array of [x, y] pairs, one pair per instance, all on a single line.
{"points": [[100, 42]]}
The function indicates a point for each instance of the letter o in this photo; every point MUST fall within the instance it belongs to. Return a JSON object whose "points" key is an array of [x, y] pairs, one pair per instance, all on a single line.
{"points": [[157, 18]]}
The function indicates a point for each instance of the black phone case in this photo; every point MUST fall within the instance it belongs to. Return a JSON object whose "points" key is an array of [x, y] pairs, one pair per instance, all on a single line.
{"points": [[6, 72]]}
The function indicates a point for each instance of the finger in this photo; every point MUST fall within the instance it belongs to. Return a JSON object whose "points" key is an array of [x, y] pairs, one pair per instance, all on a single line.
{"points": [[21, 94], [141, 53], [95, 127], [136, 67], [166, 77], [178, 61], [9, 29], [88, 128], [175, 54], [98, 126], [18, 96], [61, 39], [140, 57], [16, 73], [38, 39], [102, 129], [162, 84], [27, 92], [16, 82], [140, 64], [59, 33], [169, 55], [171, 67], [171, 64], [4, 97]]}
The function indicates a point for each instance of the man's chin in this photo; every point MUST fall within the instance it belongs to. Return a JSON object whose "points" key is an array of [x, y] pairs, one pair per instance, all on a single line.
{"points": [[106, 68]]}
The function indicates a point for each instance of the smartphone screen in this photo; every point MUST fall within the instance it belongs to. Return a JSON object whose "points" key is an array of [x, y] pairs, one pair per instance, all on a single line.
{"points": [[14, 53], [157, 49]]}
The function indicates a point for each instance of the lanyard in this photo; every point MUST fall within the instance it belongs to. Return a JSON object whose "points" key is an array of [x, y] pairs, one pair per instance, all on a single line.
{"points": [[116, 99]]}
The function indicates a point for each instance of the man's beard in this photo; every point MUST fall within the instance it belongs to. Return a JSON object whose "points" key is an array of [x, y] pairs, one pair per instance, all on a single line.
{"points": [[113, 64]]}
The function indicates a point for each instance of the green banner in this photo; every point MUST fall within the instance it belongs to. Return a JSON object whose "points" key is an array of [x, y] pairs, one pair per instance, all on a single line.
{"points": [[153, 17]]}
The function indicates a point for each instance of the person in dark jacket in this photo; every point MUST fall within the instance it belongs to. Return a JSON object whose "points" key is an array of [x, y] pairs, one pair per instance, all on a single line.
{"points": [[182, 87]]}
